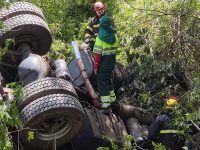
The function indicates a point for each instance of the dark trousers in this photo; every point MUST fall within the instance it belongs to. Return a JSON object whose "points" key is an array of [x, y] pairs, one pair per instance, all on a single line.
{"points": [[104, 84]]}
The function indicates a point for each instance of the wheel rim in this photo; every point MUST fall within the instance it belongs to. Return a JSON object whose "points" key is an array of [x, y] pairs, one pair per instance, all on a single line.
{"points": [[54, 129]]}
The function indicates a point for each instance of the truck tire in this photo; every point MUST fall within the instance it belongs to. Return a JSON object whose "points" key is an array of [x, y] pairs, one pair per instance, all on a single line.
{"points": [[20, 8], [44, 87], [119, 76], [53, 118], [27, 28]]}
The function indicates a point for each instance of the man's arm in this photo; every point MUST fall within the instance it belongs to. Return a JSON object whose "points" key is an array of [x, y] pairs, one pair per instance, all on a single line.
{"points": [[89, 32], [97, 50], [97, 62]]}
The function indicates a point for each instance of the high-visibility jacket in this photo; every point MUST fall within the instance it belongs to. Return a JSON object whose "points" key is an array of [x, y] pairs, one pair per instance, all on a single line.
{"points": [[92, 29], [108, 54]]}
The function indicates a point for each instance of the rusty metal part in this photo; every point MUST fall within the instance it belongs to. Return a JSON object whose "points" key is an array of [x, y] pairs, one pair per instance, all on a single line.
{"points": [[118, 126], [108, 125], [126, 111], [95, 98]]}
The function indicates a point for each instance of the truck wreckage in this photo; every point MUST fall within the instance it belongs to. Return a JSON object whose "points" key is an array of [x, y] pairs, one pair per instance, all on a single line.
{"points": [[58, 97]]}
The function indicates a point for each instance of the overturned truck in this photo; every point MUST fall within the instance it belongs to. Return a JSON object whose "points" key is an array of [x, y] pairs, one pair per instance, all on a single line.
{"points": [[58, 102]]}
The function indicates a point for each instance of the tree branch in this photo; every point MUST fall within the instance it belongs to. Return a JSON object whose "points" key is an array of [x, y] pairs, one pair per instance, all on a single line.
{"points": [[151, 10]]}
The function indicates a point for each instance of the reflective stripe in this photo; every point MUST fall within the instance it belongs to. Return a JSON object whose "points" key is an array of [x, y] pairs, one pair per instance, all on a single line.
{"points": [[105, 105], [96, 51], [110, 48], [89, 28], [106, 48], [113, 98], [112, 52], [96, 26], [105, 99], [87, 35], [98, 47], [171, 131]]}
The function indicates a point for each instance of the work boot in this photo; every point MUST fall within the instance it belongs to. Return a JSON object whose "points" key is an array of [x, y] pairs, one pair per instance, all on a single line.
{"points": [[105, 104]]}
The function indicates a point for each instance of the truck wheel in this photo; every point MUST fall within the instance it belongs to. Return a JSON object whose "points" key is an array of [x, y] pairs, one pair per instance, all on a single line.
{"points": [[119, 76], [27, 28], [44, 87], [19, 8], [55, 118]]}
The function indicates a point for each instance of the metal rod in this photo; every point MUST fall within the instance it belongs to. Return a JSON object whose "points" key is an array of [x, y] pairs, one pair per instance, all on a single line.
{"points": [[95, 98], [76, 50]]}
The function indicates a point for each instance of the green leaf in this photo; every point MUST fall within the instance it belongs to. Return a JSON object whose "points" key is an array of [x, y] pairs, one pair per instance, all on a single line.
{"points": [[30, 136]]}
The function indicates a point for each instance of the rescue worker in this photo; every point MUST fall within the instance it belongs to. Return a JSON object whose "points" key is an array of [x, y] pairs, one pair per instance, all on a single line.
{"points": [[158, 131], [105, 50], [92, 29], [161, 132]]}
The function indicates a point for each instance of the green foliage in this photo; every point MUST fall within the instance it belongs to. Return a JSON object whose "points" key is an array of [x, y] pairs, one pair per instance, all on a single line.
{"points": [[143, 27], [30, 136], [17, 89], [126, 144], [179, 121], [8, 44], [103, 148], [64, 16], [158, 146], [192, 103], [195, 115], [9, 116], [4, 3], [4, 136], [60, 50], [156, 27], [151, 81]]}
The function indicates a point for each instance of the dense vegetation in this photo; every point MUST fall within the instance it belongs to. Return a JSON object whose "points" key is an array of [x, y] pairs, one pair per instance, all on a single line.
{"points": [[153, 36]]}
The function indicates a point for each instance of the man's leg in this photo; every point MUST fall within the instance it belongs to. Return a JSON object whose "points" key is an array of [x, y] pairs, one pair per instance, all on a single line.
{"points": [[103, 87]]}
